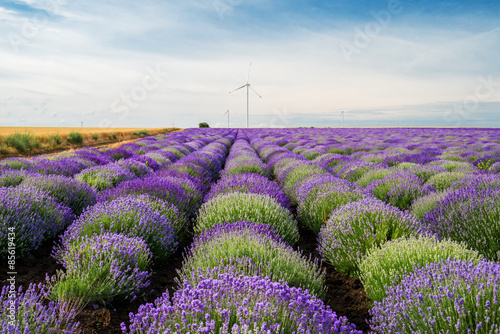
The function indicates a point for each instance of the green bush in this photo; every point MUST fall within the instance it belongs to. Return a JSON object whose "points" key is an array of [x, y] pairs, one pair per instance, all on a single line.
{"points": [[100, 268], [376, 174], [247, 248], [112, 136], [75, 138], [204, 125], [357, 227], [255, 208], [386, 266], [55, 140], [141, 133], [443, 181], [426, 203], [95, 136], [22, 142], [315, 209]]}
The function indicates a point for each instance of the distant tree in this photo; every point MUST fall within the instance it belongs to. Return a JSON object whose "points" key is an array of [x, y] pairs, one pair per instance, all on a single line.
{"points": [[204, 125]]}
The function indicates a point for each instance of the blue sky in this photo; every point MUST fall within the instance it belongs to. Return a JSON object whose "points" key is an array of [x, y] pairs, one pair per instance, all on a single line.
{"points": [[158, 63]]}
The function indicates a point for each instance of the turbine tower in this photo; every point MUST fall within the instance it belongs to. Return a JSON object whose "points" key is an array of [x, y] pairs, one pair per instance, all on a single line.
{"points": [[247, 85]]}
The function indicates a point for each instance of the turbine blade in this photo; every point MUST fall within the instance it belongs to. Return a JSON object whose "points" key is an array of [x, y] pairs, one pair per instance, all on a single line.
{"points": [[237, 89], [249, 68], [255, 91]]}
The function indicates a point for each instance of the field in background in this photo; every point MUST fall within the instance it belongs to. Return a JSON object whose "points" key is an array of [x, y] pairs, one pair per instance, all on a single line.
{"points": [[36, 140]]}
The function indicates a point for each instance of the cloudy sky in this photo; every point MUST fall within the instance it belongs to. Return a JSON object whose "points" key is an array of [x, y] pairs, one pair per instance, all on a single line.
{"points": [[155, 63]]}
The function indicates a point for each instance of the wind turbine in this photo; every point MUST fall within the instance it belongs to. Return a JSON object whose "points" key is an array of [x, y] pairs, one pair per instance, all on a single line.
{"points": [[342, 114], [247, 85]]}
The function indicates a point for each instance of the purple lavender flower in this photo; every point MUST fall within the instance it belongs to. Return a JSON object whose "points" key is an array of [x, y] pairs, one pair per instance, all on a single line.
{"points": [[319, 196], [114, 265], [399, 189], [451, 296], [138, 168], [169, 189], [252, 250], [249, 183], [256, 208], [128, 216], [118, 153], [150, 162], [65, 190], [15, 163], [14, 177], [30, 314], [469, 215], [31, 216], [105, 177], [64, 166], [355, 228], [232, 304]]}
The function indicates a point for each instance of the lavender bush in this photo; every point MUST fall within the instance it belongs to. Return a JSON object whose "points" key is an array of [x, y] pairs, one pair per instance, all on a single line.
{"points": [[249, 183], [12, 178], [238, 304], [356, 228], [443, 181], [399, 189], [104, 177], [67, 191], [31, 216], [138, 168], [319, 197], [469, 215], [252, 250], [255, 208], [451, 296], [388, 265], [15, 163], [100, 268], [127, 216], [27, 312], [166, 188]]}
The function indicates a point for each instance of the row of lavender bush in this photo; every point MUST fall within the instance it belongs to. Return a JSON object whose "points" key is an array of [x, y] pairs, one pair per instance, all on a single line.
{"points": [[240, 274], [108, 250], [401, 257]]}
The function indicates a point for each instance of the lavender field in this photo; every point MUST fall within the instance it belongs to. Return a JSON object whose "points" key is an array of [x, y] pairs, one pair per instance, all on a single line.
{"points": [[303, 230]]}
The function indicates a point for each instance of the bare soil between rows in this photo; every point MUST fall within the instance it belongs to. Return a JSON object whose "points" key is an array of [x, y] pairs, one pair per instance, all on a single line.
{"points": [[345, 295]]}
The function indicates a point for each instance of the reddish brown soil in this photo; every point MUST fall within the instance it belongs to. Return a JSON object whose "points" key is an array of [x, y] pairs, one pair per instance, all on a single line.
{"points": [[345, 295]]}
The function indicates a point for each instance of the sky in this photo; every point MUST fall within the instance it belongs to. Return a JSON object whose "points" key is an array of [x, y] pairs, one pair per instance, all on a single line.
{"points": [[333, 63]]}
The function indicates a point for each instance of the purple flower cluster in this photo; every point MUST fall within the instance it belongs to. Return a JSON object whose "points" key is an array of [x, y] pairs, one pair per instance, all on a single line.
{"points": [[166, 188], [399, 189], [116, 266], [357, 227], [127, 216], [12, 178], [322, 194], [138, 168], [15, 163], [26, 312], [32, 215], [234, 304], [65, 190], [243, 159], [105, 177], [64, 166], [469, 215], [451, 296], [251, 250], [249, 183]]}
